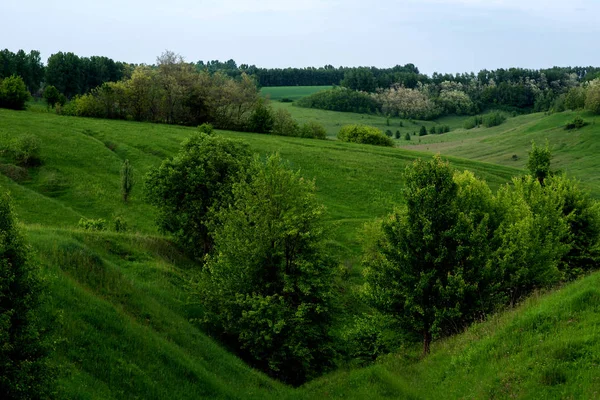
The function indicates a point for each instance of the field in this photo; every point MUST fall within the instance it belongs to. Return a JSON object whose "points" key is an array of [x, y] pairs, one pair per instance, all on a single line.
{"points": [[121, 300], [277, 93]]}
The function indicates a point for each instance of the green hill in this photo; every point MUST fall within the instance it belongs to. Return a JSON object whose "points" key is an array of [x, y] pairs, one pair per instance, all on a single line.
{"points": [[121, 302]]}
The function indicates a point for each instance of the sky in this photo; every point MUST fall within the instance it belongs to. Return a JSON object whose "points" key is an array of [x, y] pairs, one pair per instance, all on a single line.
{"points": [[446, 36]]}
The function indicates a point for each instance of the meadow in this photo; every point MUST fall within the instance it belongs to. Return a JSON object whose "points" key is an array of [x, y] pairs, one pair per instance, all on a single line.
{"points": [[277, 93], [121, 303]]}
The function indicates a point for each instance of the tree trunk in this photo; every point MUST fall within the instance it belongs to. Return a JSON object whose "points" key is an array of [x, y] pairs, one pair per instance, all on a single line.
{"points": [[426, 342]]}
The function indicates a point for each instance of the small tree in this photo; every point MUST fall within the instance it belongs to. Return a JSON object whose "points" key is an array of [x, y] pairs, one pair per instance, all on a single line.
{"points": [[268, 285], [24, 370], [407, 136], [538, 163], [423, 131], [127, 180], [261, 120], [13, 93], [51, 95], [397, 135], [284, 124], [190, 186]]}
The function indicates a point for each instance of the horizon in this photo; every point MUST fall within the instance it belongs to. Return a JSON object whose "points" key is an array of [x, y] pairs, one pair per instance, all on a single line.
{"points": [[444, 36]]}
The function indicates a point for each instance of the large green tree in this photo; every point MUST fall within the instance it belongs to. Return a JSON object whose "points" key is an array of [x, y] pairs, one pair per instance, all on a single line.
{"points": [[428, 266], [267, 287], [188, 187], [24, 371]]}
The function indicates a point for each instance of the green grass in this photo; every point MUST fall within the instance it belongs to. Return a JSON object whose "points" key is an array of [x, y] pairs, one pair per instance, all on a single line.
{"points": [[294, 93], [575, 151], [121, 300]]}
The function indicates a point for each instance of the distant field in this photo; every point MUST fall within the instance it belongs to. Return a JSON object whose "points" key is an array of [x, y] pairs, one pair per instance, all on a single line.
{"points": [[334, 120], [575, 152], [277, 93]]}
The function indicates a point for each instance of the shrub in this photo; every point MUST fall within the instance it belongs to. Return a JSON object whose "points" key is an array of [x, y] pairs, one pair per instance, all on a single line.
{"points": [[575, 98], [284, 124], [286, 100], [493, 119], [313, 130], [89, 224], [25, 151], [407, 136], [364, 134], [423, 131], [371, 336], [13, 93], [388, 133], [432, 130], [576, 123], [206, 128], [398, 135]]}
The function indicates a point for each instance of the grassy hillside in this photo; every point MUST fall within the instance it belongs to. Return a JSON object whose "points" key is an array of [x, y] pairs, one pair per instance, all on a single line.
{"points": [[83, 157], [290, 92], [575, 151], [121, 300], [547, 348]]}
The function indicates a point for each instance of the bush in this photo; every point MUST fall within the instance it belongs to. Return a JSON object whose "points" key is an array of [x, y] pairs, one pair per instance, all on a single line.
{"points": [[493, 119], [206, 128], [407, 136], [397, 136], [286, 100], [422, 131], [432, 130], [284, 124], [52, 96], [371, 336], [313, 130], [25, 151], [576, 123], [388, 133], [364, 134], [24, 345], [268, 286], [13, 93], [189, 187], [92, 224]]}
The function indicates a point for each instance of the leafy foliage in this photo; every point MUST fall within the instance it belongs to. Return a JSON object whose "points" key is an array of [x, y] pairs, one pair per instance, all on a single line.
{"points": [[25, 150], [313, 130], [90, 224], [538, 163], [576, 123], [13, 93], [24, 346], [268, 286], [592, 100], [284, 124], [340, 99], [364, 134], [493, 119], [187, 187]]}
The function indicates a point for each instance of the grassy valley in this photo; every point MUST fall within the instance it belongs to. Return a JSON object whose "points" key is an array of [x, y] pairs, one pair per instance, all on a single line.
{"points": [[121, 301]]}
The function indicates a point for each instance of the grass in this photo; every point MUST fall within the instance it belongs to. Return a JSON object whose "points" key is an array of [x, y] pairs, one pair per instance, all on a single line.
{"points": [[294, 93], [121, 300]]}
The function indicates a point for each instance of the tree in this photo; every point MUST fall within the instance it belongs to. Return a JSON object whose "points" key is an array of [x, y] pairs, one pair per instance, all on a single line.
{"points": [[284, 124], [267, 288], [422, 131], [261, 120], [407, 136], [127, 180], [190, 186], [427, 265], [24, 346], [13, 93], [538, 163], [51, 95], [592, 100]]}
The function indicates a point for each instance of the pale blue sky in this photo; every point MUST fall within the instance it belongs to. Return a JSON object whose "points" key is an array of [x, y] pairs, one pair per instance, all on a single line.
{"points": [[435, 35]]}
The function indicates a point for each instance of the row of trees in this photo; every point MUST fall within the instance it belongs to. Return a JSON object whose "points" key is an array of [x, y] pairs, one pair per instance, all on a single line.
{"points": [[429, 101]]}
